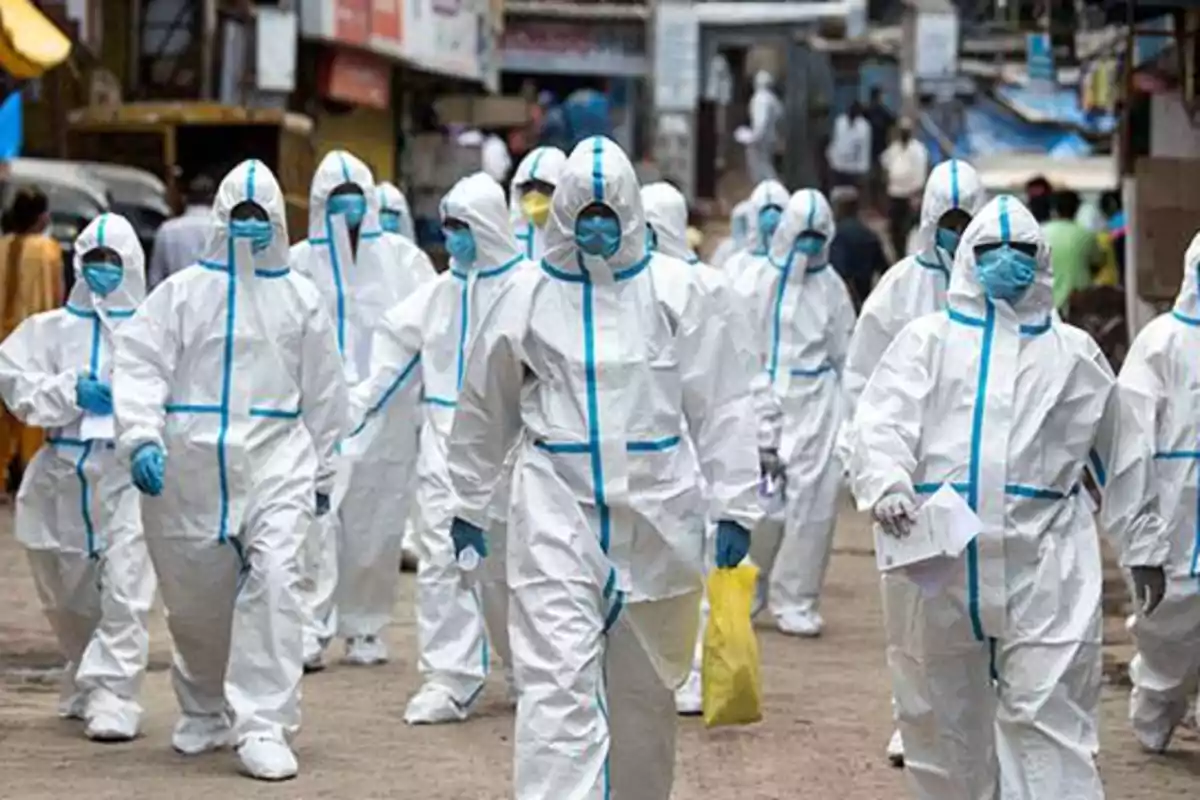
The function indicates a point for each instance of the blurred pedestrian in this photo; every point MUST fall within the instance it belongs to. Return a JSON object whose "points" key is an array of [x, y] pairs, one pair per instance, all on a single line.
{"points": [[496, 158], [765, 113], [849, 151], [1075, 253], [1113, 239], [881, 119], [180, 241], [906, 164], [1038, 193], [856, 252], [33, 283]]}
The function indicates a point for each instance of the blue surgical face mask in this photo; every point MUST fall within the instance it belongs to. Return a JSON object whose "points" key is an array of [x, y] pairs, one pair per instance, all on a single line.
{"points": [[809, 245], [389, 221], [1005, 273], [352, 206], [768, 221], [460, 244], [947, 240], [258, 231], [103, 278], [598, 236]]}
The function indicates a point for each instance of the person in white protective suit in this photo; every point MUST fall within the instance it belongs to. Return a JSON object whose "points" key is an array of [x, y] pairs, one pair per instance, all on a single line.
{"points": [[803, 317], [1160, 371], [417, 365], [738, 238], [997, 682], [395, 219], [357, 548], [913, 287], [766, 112], [596, 365], [77, 514], [529, 197], [763, 215], [229, 403], [666, 219]]}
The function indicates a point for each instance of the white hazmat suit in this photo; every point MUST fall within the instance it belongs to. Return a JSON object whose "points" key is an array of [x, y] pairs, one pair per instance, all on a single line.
{"points": [[803, 319], [358, 547], [998, 679], [1161, 371], [417, 365], [766, 112], [77, 513], [767, 196], [543, 164], [738, 238], [404, 241], [598, 367], [913, 287], [232, 370]]}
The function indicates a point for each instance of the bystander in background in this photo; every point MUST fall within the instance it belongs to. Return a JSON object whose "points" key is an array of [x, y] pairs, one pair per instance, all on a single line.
{"points": [[180, 241]]}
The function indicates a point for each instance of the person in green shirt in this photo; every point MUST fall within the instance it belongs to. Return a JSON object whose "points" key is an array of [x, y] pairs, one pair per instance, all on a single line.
{"points": [[1075, 253]]}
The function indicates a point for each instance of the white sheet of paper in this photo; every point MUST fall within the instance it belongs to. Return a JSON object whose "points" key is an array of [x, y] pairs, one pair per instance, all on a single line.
{"points": [[93, 426], [945, 525]]}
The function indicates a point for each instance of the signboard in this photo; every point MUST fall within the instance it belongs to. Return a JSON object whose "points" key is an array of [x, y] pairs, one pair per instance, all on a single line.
{"points": [[936, 47], [444, 36], [1039, 60], [356, 77], [676, 57], [552, 47]]}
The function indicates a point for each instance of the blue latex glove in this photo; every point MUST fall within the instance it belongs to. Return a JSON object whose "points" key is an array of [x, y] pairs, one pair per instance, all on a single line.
{"points": [[465, 535], [733, 543], [93, 396], [149, 462], [322, 504]]}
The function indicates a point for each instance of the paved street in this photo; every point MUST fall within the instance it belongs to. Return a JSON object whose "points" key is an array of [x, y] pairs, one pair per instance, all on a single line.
{"points": [[827, 720]]}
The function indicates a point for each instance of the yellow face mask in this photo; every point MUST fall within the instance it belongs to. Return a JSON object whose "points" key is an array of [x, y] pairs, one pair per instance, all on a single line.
{"points": [[536, 207]]}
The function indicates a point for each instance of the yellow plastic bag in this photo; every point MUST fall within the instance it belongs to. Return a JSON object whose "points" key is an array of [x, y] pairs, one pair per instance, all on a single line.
{"points": [[732, 686]]}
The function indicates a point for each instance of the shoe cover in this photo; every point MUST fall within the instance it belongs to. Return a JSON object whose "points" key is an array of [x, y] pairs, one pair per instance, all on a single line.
{"points": [[196, 734], [800, 623], [895, 750], [511, 693], [688, 701], [267, 759], [111, 719], [365, 651], [760, 596], [73, 706], [434, 705], [314, 663]]}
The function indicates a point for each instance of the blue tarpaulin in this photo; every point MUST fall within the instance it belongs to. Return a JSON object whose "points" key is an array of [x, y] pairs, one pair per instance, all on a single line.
{"points": [[989, 128], [11, 127], [1059, 106]]}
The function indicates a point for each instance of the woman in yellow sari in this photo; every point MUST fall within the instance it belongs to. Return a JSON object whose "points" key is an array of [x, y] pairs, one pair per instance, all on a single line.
{"points": [[32, 265]]}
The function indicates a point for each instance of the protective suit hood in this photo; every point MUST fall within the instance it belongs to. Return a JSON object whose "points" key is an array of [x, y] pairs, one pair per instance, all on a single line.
{"points": [[392, 199], [763, 80], [741, 225], [114, 232], [479, 201], [597, 171], [336, 168], [767, 193], [252, 181], [1004, 219], [666, 212], [1187, 303], [952, 185], [542, 164], [807, 210]]}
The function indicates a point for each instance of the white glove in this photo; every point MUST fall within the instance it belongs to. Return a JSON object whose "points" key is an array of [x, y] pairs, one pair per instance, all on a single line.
{"points": [[896, 514]]}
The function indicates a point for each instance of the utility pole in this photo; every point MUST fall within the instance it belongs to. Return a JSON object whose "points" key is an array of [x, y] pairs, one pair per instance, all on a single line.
{"points": [[208, 44]]}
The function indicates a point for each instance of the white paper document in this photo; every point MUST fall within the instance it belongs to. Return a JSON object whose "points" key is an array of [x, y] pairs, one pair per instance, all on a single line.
{"points": [[93, 427], [930, 554]]}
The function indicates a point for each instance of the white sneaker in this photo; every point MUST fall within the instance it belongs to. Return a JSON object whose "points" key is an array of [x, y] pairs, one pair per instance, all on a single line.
{"points": [[801, 623], [267, 759], [688, 698], [365, 651], [194, 735], [434, 705], [895, 750], [111, 719]]}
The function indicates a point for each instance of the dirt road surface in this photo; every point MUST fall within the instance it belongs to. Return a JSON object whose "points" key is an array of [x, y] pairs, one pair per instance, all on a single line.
{"points": [[827, 721]]}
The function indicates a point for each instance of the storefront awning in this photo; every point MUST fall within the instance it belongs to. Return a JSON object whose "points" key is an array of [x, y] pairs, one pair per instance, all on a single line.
{"points": [[30, 43]]}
